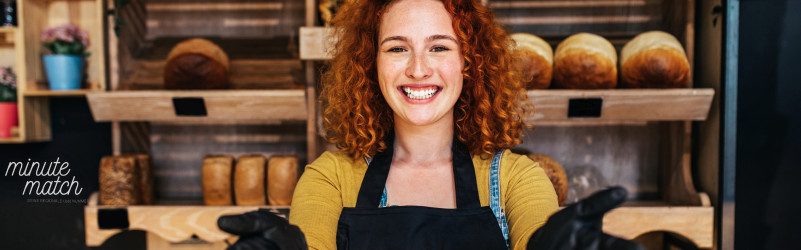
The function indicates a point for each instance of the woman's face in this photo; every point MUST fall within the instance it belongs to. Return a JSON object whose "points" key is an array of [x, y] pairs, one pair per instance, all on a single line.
{"points": [[419, 61]]}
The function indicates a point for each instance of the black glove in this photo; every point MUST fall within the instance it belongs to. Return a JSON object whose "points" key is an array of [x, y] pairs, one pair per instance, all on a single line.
{"points": [[262, 230], [578, 226]]}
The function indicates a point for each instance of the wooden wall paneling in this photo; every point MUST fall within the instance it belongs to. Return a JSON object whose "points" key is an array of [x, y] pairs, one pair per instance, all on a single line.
{"points": [[595, 157], [135, 138], [233, 18], [178, 150], [559, 19]]}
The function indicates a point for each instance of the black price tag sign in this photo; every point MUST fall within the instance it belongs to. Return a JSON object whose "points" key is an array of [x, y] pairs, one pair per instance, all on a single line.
{"points": [[584, 107], [112, 218], [189, 106]]}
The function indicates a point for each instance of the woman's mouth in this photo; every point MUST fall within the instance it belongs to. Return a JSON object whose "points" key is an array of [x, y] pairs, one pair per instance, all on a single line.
{"points": [[419, 93]]}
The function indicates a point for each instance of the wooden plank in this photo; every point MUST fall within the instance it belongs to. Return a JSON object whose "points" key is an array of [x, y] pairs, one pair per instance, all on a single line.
{"points": [[315, 43], [625, 104], [694, 223], [172, 223], [221, 105], [60, 93]]}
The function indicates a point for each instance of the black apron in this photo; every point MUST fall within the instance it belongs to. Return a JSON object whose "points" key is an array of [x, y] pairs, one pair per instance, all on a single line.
{"points": [[469, 226]]}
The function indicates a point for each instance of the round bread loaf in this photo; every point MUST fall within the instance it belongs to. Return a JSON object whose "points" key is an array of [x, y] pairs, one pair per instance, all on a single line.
{"points": [[555, 172], [196, 64], [217, 170], [654, 59], [282, 176], [585, 61], [119, 181], [249, 180], [534, 60]]}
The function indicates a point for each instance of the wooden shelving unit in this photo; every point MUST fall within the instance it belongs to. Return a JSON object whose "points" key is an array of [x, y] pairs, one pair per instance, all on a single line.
{"points": [[683, 210], [33, 93]]}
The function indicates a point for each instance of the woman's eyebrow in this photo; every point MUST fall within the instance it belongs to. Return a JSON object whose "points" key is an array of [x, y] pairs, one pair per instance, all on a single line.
{"points": [[429, 39], [438, 37], [394, 38]]}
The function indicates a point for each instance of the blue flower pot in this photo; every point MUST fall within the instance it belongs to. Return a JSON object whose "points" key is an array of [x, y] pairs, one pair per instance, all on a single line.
{"points": [[64, 72]]}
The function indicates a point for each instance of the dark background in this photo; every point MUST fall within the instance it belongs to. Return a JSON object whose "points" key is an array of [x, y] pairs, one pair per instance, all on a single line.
{"points": [[768, 190], [768, 161]]}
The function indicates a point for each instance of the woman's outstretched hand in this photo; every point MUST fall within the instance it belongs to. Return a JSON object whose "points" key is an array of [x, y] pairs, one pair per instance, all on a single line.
{"points": [[578, 226], [262, 229]]}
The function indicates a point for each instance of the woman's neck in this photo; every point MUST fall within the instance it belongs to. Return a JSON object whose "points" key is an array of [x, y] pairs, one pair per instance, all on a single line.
{"points": [[424, 146]]}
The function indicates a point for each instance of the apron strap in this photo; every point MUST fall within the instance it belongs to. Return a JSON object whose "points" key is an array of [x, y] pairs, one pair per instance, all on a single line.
{"points": [[495, 195], [372, 193]]}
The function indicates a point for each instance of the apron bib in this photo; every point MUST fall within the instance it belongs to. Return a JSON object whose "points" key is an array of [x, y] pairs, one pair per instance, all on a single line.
{"points": [[469, 226]]}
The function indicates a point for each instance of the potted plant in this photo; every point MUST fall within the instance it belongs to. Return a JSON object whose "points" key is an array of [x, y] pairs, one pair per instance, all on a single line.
{"points": [[8, 101], [64, 65]]}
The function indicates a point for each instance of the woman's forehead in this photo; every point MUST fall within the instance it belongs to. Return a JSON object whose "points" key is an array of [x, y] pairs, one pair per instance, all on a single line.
{"points": [[415, 19]]}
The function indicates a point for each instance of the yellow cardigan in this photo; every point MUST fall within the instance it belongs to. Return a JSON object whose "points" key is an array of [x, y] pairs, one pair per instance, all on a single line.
{"points": [[333, 180]]}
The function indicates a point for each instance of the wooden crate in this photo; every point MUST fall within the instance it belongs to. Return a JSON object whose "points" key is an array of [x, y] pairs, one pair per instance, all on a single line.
{"points": [[20, 47]]}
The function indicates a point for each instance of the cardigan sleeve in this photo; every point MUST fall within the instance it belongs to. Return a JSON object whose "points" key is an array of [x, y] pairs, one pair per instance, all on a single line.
{"points": [[317, 203], [529, 197]]}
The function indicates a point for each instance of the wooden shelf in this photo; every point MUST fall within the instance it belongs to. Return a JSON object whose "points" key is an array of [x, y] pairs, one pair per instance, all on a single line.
{"points": [[174, 223], [178, 222], [694, 222], [222, 106], [621, 106], [8, 29], [63, 93]]}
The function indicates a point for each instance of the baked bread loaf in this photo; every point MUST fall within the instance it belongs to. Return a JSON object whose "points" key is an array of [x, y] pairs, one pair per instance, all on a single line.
{"points": [[145, 167], [555, 172], [217, 173], [534, 60], [119, 181], [282, 176], [585, 61], [196, 64], [249, 178], [654, 59]]}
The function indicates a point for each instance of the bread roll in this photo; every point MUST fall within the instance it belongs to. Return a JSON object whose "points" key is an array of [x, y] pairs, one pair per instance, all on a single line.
{"points": [[249, 178], [654, 59], [555, 172], [216, 183], [145, 167], [585, 61], [282, 176], [196, 64], [534, 60], [119, 181]]}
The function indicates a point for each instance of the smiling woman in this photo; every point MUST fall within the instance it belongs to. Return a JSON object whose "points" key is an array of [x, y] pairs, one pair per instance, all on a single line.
{"points": [[423, 102]]}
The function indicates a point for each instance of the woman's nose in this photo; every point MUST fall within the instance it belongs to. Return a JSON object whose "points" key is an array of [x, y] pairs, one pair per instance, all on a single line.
{"points": [[418, 68]]}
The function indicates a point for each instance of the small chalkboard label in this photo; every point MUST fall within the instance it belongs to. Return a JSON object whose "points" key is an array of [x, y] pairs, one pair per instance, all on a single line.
{"points": [[189, 106], [584, 107], [112, 218]]}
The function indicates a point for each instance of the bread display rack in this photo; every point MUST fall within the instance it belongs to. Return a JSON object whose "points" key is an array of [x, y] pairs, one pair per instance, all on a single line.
{"points": [[134, 102], [20, 48], [266, 104]]}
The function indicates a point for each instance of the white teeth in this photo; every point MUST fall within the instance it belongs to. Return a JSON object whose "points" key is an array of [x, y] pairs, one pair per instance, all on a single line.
{"points": [[421, 94]]}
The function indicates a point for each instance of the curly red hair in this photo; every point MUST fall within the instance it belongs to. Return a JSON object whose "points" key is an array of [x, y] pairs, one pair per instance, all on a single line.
{"points": [[488, 115]]}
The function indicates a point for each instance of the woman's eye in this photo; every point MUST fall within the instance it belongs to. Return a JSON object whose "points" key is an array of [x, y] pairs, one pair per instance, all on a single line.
{"points": [[396, 49], [439, 48]]}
